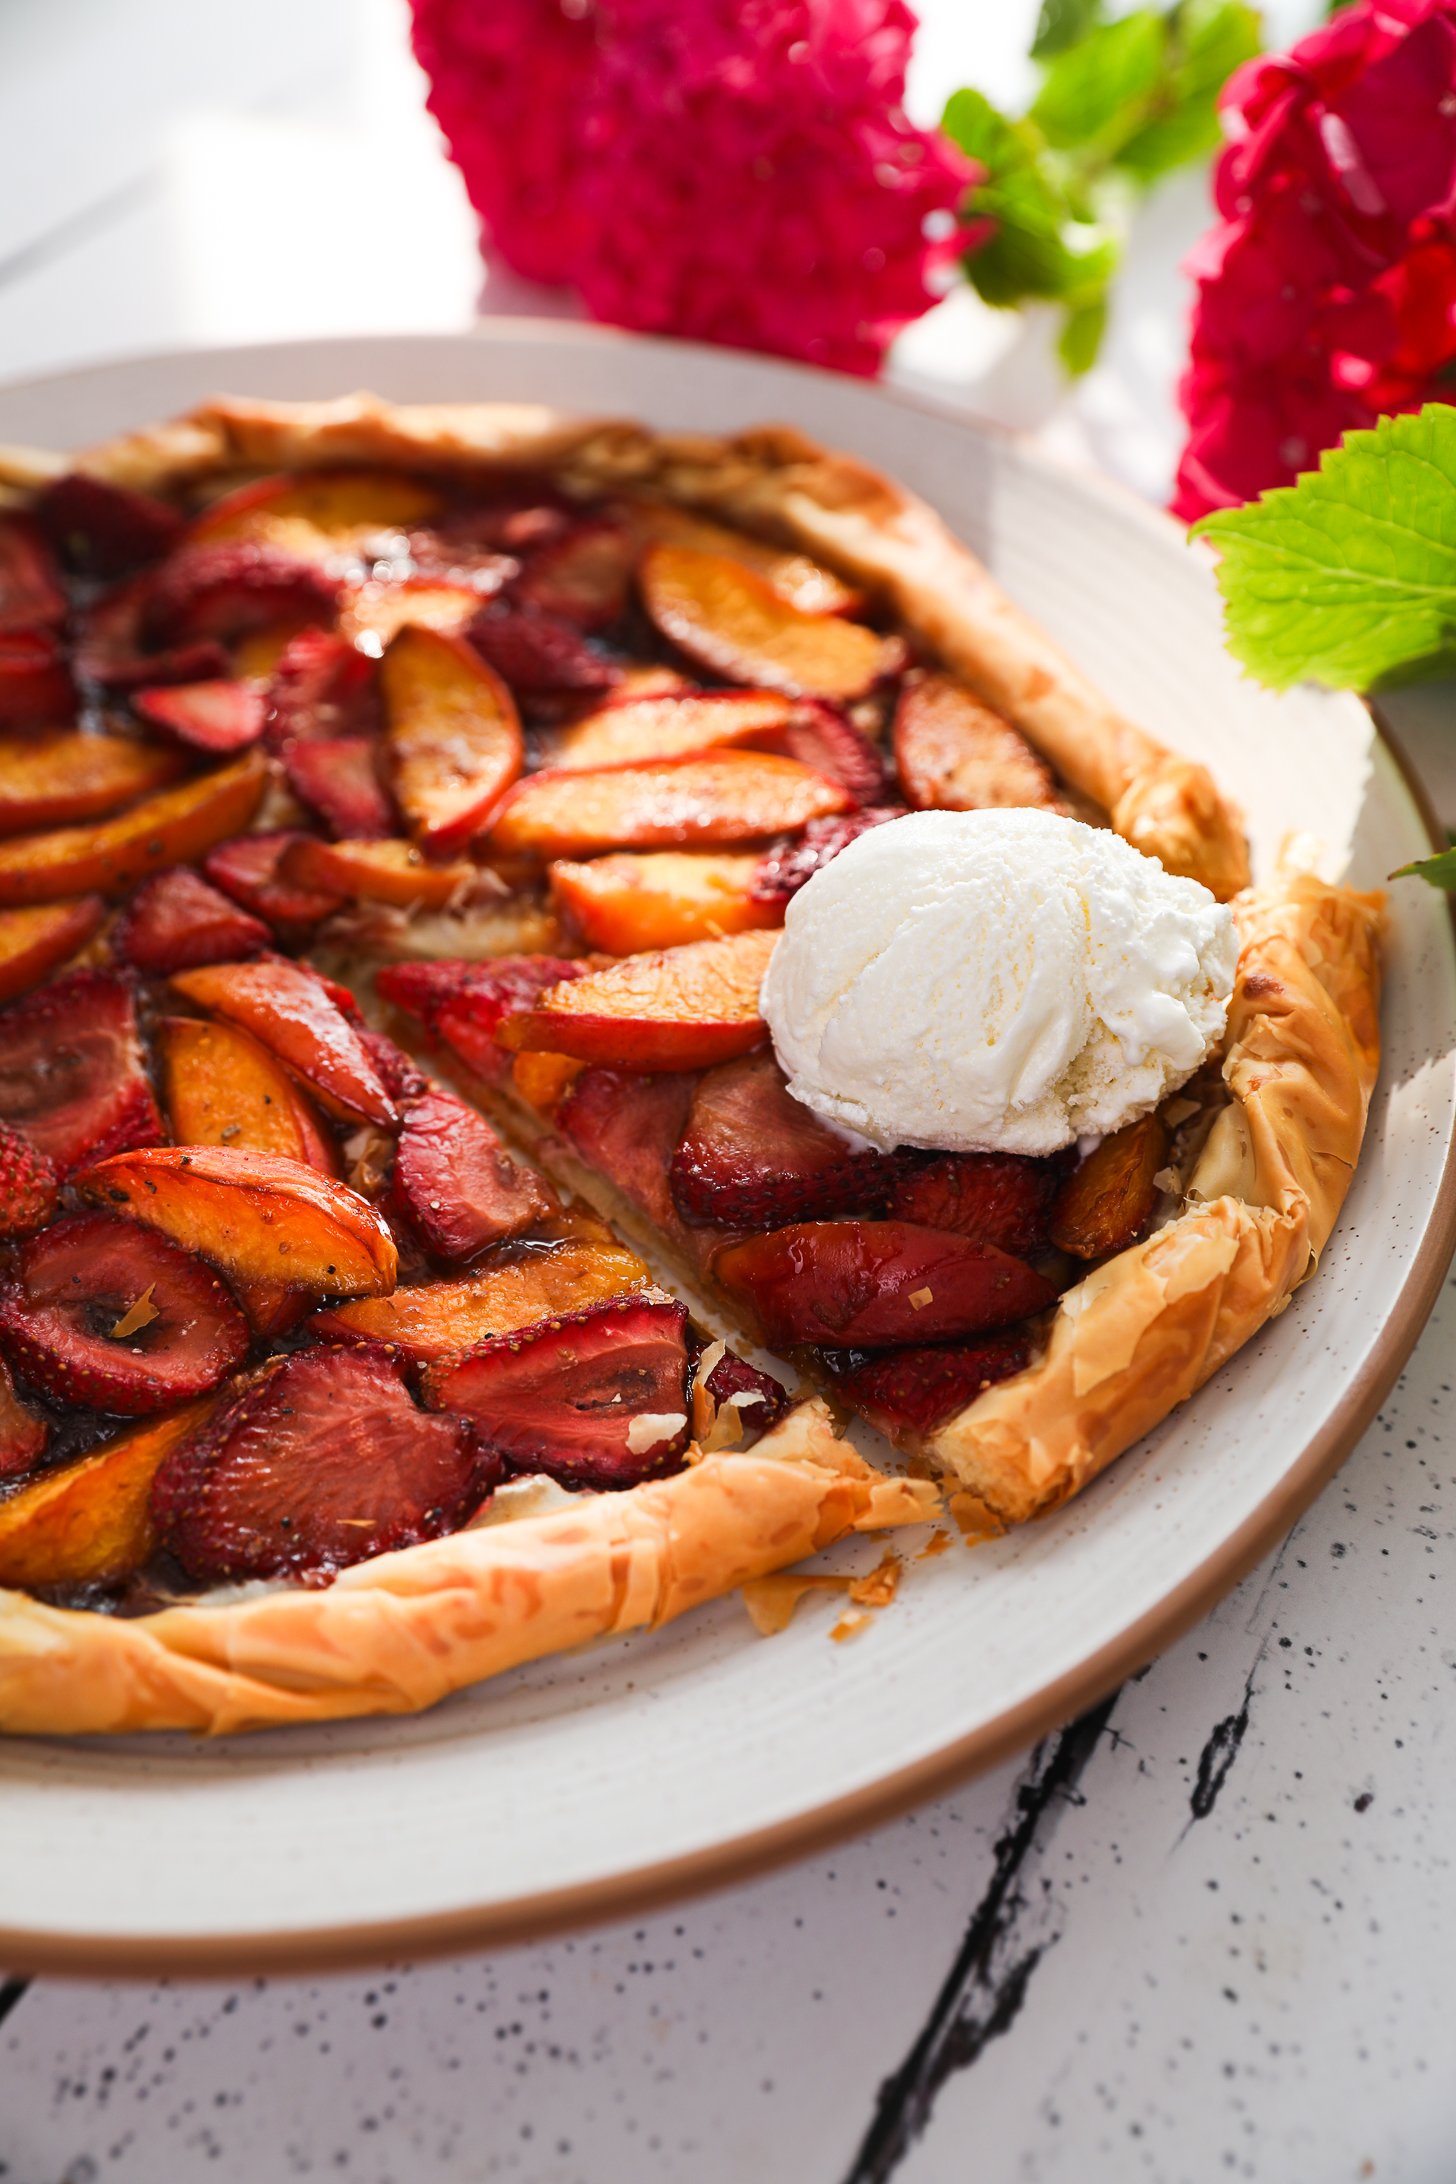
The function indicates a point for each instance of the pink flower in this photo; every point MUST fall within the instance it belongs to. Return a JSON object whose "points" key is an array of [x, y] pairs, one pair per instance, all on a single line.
{"points": [[1327, 295], [739, 171]]}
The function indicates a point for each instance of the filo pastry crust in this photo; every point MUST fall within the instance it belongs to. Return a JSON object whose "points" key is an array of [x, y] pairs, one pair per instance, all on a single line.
{"points": [[1143, 1331], [771, 481], [398, 1633]]}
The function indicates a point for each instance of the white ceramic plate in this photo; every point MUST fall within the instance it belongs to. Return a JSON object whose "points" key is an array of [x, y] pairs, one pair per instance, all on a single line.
{"points": [[596, 1783]]}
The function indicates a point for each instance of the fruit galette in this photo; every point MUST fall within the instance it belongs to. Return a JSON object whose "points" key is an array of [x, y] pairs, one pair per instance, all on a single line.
{"points": [[808, 958]]}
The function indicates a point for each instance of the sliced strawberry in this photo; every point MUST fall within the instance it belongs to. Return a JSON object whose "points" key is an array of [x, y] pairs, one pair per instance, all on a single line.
{"points": [[955, 754], [920, 1387], [104, 530], [759, 1399], [877, 1284], [29, 1185], [107, 1313], [626, 1127], [597, 1398], [294, 1013], [31, 597], [247, 868], [461, 1004], [717, 798], [72, 1075], [206, 716], [456, 1183], [175, 921], [752, 1156], [783, 871], [517, 519], [35, 682], [320, 1461], [581, 575], [224, 591], [23, 1435], [819, 737], [35, 940], [321, 687], [111, 651], [337, 778], [540, 654], [673, 1008], [401, 1079], [998, 1198]]}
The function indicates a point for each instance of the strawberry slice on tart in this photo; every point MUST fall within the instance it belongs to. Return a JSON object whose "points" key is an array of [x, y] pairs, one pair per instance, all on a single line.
{"points": [[29, 1186], [31, 597], [73, 1076], [220, 716], [463, 1005], [911, 1391], [104, 530], [175, 922], [251, 868], [752, 1156], [456, 1183]]}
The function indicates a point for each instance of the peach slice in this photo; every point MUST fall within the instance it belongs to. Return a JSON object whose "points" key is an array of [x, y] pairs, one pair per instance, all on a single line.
{"points": [[110, 855], [61, 775], [91, 1523], [954, 754], [814, 590], [1108, 1202], [34, 942], [661, 899], [675, 1008], [291, 1010], [438, 1318], [317, 514], [386, 871], [256, 1216], [667, 726], [732, 621], [220, 1087], [682, 803], [373, 613], [453, 736]]}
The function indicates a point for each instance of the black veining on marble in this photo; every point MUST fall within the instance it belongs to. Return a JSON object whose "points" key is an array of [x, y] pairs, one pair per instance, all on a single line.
{"points": [[11, 1992], [1216, 1759], [982, 1994]]}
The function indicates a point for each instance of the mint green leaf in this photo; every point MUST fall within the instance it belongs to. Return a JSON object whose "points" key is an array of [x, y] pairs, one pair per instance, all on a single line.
{"points": [[1081, 336], [1095, 94], [1061, 23], [1208, 40], [1037, 248], [1349, 575], [1440, 870]]}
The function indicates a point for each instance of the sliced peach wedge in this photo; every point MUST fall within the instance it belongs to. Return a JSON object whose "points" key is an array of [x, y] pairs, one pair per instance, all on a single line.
{"points": [[634, 731], [256, 1216], [373, 613], [803, 583], [672, 1009], [112, 854], [684, 803], [436, 1319], [385, 871], [221, 1087], [732, 622], [35, 942], [91, 1523], [452, 735], [317, 514], [61, 775], [292, 1012], [661, 899]]}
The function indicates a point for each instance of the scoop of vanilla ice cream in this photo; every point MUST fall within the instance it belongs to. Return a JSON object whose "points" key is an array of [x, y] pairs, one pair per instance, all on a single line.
{"points": [[1001, 981]]}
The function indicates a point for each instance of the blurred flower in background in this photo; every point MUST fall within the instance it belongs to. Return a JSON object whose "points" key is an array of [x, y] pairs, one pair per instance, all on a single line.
{"points": [[1327, 295], [740, 171]]}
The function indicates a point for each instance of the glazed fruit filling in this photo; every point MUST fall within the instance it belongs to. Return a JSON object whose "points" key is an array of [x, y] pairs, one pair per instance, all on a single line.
{"points": [[271, 1299]]}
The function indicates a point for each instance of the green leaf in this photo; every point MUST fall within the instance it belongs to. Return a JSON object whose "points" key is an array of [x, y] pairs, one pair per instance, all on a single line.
{"points": [[1094, 94], [1081, 336], [1349, 575], [1440, 869], [1061, 23], [1038, 248], [1208, 40]]}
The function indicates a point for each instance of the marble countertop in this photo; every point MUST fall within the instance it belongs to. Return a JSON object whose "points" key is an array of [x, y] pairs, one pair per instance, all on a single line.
{"points": [[1206, 1929]]}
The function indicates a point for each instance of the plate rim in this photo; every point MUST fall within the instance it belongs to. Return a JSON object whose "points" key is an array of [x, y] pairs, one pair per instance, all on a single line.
{"points": [[720, 1865]]}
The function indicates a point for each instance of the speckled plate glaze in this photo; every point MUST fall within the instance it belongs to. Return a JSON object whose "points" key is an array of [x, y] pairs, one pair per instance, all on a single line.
{"points": [[596, 1784]]}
